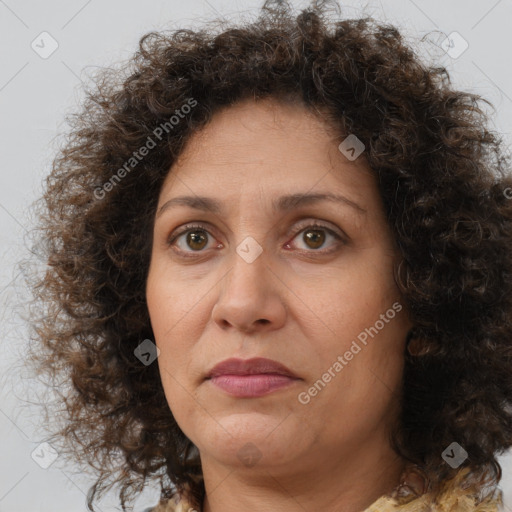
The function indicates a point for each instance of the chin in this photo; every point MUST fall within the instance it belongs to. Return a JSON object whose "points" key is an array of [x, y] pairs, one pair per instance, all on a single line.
{"points": [[243, 439]]}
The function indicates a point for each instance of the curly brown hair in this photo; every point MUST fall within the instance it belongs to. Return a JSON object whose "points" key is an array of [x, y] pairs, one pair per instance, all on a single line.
{"points": [[442, 176]]}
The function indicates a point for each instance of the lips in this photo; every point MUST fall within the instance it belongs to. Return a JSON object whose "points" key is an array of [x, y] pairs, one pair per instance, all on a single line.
{"points": [[254, 366], [251, 378]]}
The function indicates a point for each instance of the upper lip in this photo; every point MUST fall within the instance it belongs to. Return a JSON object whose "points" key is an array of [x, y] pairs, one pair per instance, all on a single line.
{"points": [[254, 366]]}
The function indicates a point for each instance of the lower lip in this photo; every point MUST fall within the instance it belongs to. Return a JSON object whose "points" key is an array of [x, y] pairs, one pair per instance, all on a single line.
{"points": [[246, 386]]}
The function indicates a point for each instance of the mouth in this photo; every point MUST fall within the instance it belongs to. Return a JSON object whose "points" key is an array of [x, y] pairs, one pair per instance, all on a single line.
{"points": [[250, 386], [252, 377], [254, 366]]}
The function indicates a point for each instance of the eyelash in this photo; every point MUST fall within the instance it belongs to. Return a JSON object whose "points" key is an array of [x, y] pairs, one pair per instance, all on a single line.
{"points": [[200, 227]]}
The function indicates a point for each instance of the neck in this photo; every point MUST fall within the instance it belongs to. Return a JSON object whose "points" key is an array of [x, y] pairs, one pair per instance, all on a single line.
{"points": [[350, 484]]}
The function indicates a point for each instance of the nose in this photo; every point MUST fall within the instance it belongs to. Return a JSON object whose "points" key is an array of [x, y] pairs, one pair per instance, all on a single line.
{"points": [[250, 297]]}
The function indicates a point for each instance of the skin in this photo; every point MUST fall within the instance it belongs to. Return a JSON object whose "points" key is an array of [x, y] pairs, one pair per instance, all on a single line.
{"points": [[301, 303]]}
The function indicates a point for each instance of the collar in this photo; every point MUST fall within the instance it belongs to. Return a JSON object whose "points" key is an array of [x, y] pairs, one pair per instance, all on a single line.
{"points": [[459, 494]]}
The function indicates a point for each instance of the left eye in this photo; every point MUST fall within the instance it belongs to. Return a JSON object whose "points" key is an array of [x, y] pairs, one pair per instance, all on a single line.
{"points": [[314, 236]]}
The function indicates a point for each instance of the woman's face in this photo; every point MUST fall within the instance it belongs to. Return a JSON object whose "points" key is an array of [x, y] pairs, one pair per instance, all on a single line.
{"points": [[255, 280]]}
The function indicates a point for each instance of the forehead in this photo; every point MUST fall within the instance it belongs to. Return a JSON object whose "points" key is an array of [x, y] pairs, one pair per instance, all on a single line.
{"points": [[265, 147], [247, 125]]}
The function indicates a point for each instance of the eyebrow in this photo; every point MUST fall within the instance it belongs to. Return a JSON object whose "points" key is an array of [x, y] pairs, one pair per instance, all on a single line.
{"points": [[281, 204]]}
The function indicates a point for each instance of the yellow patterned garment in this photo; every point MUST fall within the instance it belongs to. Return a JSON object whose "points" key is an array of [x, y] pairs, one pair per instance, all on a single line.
{"points": [[453, 497]]}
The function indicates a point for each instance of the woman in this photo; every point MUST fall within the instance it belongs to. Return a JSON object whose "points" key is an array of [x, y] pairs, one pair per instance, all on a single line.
{"points": [[280, 275]]}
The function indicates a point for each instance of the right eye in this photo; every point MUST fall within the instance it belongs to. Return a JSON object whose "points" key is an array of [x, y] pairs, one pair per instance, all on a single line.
{"points": [[196, 238]]}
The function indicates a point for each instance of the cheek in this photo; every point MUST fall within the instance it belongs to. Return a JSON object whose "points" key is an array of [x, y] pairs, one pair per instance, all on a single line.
{"points": [[165, 313], [174, 312], [367, 328], [172, 338], [355, 300], [365, 388], [170, 303], [175, 360]]}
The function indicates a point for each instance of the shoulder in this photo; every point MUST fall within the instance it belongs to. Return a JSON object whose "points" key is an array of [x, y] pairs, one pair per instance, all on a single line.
{"points": [[456, 495]]}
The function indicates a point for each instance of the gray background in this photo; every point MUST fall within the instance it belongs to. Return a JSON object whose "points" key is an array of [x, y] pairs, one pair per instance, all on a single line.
{"points": [[36, 93]]}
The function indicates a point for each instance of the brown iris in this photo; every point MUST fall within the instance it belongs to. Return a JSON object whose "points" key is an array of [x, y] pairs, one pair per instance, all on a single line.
{"points": [[196, 237], [315, 237]]}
